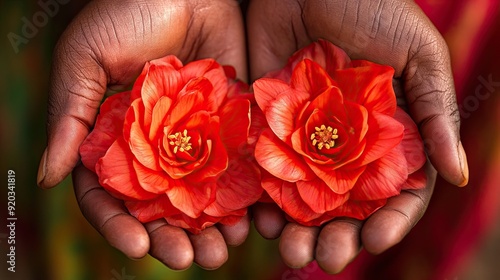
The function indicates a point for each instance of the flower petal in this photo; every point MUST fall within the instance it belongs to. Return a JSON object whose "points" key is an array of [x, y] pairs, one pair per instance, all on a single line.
{"points": [[281, 115], [234, 217], [117, 174], [272, 187], [177, 168], [340, 180], [193, 225], [211, 70], [235, 124], [141, 147], [303, 144], [108, 128], [384, 133], [351, 120], [229, 71], [326, 54], [280, 160], [357, 209], [161, 80], [159, 117], [416, 180], [134, 113], [170, 60], [268, 91], [368, 84], [135, 93], [412, 143], [347, 147], [329, 56], [150, 210], [217, 156], [215, 166], [294, 205], [180, 164], [258, 124], [286, 195], [151, 180], [330, 103], [191, 199], [319, 196], [134, 134], [220, 90], [357, 117], [191, 99], [199, 68], [382, 178], [238, 188], [310, 77]]}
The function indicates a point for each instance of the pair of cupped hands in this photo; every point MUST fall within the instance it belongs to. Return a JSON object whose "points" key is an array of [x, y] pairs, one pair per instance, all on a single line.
{"points": [[105, 47]]}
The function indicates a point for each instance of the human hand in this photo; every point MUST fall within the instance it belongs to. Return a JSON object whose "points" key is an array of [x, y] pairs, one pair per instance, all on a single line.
{"points": [[394, 33], [104, 49]]}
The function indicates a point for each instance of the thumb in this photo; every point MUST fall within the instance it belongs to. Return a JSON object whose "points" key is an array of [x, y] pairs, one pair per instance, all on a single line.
{"points": [[430, 93], [77, 87]]}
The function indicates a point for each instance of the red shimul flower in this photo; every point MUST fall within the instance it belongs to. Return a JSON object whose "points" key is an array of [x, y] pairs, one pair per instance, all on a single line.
{"points": [[337, 144], [174, 147]]}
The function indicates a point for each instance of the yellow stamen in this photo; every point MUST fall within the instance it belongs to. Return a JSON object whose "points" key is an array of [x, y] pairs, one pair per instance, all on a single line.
{"points": [[324, 137], [180, 141]]}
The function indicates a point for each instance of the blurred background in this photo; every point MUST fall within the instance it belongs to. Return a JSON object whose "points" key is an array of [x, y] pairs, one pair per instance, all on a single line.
{"points": [[458, 238]]}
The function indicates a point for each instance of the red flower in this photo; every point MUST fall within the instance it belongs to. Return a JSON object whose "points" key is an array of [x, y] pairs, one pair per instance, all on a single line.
{"points": [[337, 144], [172, 146]]}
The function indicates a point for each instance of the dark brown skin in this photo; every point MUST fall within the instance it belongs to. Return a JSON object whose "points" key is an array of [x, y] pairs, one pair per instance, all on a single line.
{"points": [[107, 44]]}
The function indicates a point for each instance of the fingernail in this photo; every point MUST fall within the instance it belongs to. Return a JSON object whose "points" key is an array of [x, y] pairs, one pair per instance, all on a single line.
{"points": [[465, 165], [41, 168]]}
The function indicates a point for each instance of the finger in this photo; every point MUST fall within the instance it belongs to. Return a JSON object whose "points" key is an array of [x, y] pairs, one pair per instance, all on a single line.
{"points": [[339, 243], [390, 224], [109, 216], [431, 97], [170, 245], [236, 234], [269, 220], [210, 250], [72, 110], [297, 245]]}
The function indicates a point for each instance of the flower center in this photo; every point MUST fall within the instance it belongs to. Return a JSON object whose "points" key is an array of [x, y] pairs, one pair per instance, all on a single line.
{"points": [[180, 141], [324, 137]]}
